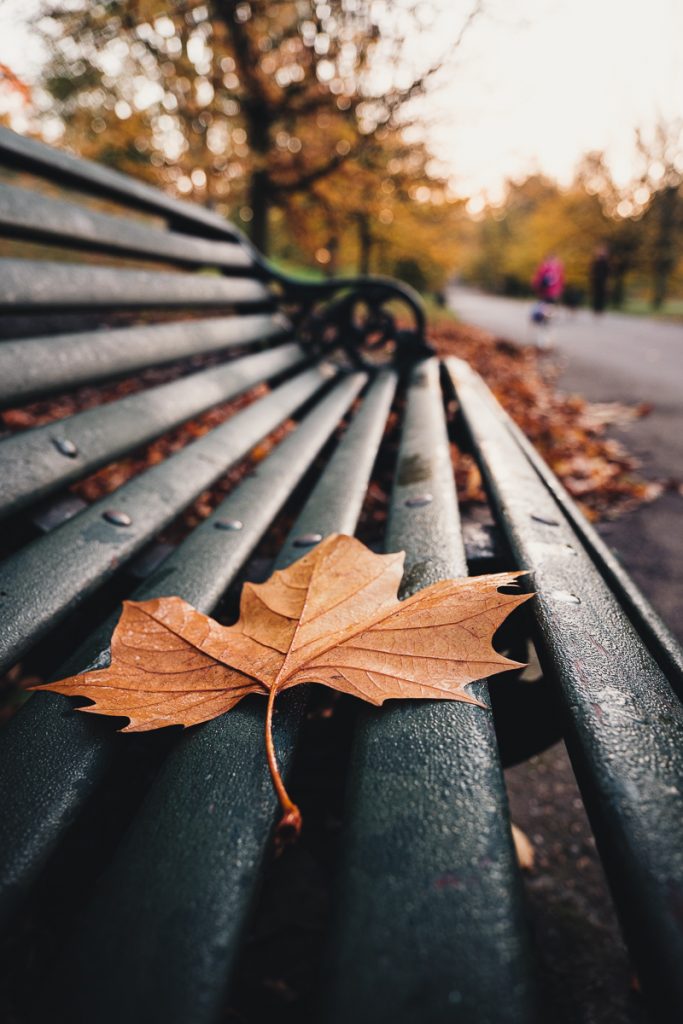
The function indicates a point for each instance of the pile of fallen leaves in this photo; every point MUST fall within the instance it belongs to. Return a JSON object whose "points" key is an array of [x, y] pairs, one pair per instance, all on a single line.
{"points": [[569, 432]]}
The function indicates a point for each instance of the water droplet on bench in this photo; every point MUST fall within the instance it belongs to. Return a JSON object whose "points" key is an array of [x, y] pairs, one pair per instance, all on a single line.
{"points": [[228, 524], [116, 517], [419, 500], [65, 447], [564, 595], [307, 540]]}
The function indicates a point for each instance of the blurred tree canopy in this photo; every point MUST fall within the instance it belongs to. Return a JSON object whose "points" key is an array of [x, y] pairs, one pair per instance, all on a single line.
{"points": [[296, 117], [304, 121]]}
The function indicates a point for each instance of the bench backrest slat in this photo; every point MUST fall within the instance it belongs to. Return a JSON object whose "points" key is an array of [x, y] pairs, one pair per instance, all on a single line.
{"points": [[95, 179], [32, 285], [34, 367], [25, 215]]}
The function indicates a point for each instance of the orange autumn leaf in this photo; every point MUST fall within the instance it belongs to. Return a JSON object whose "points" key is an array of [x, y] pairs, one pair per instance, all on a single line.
{"points": [[333, 617]]}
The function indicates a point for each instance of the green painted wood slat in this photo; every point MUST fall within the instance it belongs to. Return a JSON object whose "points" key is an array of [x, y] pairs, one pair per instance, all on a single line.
{"points": [[35, 463], [88, 549], [52, 760], [430, 923], [191, 864], [32, 368], [28, 215], [624, 725]]}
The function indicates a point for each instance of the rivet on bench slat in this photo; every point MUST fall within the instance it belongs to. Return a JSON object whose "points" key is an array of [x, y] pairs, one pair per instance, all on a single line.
{"points": [[228, 524], [307, 540], [65, 447], [418, 501], [116, 517]]}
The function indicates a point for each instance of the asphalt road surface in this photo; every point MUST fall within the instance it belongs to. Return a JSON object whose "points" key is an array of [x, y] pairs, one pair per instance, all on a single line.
{"points": [[625, 359]]}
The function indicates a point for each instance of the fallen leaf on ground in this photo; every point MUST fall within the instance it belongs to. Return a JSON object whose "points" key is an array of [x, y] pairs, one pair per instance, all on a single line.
{"points": [[526, 855], [569, 432], [332, 617]]}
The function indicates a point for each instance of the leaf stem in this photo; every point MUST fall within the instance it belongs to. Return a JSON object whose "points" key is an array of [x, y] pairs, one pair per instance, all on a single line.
{"points": [[290, 822]]}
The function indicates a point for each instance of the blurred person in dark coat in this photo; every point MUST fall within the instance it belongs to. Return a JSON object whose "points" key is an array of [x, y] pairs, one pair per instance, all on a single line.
{"points": [[599, 275]]}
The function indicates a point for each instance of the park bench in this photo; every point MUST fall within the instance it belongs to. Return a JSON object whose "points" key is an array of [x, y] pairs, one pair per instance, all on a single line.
{"points": [[430, 923]]}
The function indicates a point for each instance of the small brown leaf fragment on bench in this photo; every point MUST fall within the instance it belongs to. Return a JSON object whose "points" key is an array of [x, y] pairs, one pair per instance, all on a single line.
{"points": [[332, 617]]}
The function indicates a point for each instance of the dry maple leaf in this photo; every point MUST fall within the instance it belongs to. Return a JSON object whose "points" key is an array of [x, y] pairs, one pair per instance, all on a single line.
{"points": [[332, 617]]}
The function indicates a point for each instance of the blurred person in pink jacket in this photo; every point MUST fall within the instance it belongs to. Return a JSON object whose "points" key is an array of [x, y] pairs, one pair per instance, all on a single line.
{"points": [[548, 281]]}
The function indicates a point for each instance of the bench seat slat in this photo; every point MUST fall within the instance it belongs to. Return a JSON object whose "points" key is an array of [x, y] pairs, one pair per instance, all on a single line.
{"points": [[34, 285], [63, 168], [34, 367], [654, 631], [430, 900], [624, 725], [86, 550], [33, 464], [51, 760], [27, 215], [189, 866]]}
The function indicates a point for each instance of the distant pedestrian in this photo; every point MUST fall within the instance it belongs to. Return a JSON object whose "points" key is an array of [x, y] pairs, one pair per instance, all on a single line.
{"points": [[548, 283], [599, 275]]}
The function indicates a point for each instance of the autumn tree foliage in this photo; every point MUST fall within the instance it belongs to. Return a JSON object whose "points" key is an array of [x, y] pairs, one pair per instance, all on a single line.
{"points": [[640, 221], [661, 156], [380, 212], [264, 110]]}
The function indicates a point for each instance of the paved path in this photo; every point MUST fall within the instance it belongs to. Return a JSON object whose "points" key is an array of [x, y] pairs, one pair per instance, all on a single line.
{"points": [[627, 359]]}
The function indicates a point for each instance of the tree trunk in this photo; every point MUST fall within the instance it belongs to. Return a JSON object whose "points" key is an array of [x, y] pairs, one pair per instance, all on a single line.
{"points": [[259, 118], [364, 243], [259, 201], [332, 269], [260, 192], [664, 258]]}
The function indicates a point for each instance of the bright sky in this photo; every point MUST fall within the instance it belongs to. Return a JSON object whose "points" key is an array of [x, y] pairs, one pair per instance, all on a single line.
{"points": [[536, 82], [539, 82]]}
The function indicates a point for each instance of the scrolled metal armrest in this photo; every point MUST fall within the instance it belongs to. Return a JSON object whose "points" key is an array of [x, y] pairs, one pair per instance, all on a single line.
{"points": [[351, 313]]}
